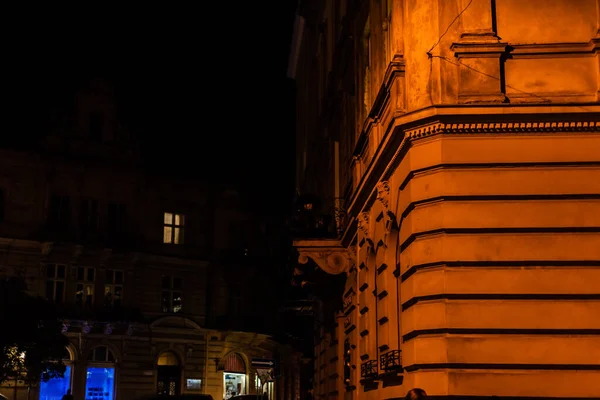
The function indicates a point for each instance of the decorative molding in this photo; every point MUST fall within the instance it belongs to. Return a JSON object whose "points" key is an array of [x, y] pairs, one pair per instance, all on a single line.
{"points": [[383, 193], [108, 329], [479, 36], [46, 248], [77, 251], [328, 254], [65, 326], [363, 222], [479, 49], [503, 127], [86, 327], [105, 256]]}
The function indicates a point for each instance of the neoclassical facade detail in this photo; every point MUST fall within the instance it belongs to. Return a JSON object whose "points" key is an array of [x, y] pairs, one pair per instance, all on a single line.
{"points": [[475, 151], [363, 222], [329, 255], [383, 193]]}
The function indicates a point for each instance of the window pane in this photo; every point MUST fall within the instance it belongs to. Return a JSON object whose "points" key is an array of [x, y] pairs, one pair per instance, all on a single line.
{"points": [[177, 303], [110, 276], [167, 235], [80, 273], [108, 295], [60, 271], [176, 283], [168, 219], [50, 290], [55, 388], [176, 239], [100, 353], [165, 301], [79, 294], [89, 295], [60, 287], [118, 296], [90, 274], [178, 219], [166, 282], [118, 277], [50, 271], [100, 383]]}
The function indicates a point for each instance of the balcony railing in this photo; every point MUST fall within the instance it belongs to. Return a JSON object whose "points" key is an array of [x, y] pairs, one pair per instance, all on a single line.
{"points": [[368, 369], [314, 217], [390, 361]]}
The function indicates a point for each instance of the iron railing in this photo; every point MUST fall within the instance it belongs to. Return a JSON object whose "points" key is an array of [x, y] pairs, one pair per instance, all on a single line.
{"points": [[390, 361]]}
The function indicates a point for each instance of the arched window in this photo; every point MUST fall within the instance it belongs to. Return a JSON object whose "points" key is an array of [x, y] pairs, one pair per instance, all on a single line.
{"points": [[101, 354], [234, 363], [100, 377], [234, 376], [168, 358], [55, 388], [169, 374]]}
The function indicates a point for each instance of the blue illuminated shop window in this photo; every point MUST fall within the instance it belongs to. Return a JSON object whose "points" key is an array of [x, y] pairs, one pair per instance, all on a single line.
{"points": [[55, 388], [100, 383]]}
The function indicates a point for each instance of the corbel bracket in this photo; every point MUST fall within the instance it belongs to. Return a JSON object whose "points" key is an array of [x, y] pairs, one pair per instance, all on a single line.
{"points": [[328, 254]]}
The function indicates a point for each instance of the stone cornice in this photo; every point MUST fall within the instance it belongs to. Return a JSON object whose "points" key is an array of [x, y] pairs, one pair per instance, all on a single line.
{"points": [[496, 119], [530, 50], [503, 127], [328, 254]]}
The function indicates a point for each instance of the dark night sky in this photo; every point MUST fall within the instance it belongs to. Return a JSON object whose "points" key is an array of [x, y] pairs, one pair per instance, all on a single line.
{"points": [[207, 83]]}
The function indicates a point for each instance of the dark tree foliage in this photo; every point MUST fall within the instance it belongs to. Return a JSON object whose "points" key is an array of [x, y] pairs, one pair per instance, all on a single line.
{"points": [[32, 345]]}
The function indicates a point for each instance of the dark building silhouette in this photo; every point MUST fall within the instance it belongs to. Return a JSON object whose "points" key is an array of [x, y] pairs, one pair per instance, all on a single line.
{"points": [[166, 284]]}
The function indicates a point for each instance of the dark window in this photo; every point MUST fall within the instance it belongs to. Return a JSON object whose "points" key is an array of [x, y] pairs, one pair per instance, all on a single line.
{"points": [[84, 289], [113, 288], [117, 218], [89, 217], [59, 212], [55, 282], [171, 294], [96, 126], [347, 362], [101, 354]]}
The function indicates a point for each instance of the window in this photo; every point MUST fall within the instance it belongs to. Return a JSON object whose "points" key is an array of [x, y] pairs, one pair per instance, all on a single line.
{"points": [[101, 354], [96, 126], [113, 288], [59, 212], [100, 375], [89, 216], [84, 290], [173, 228], [117, 218], [55, 282], [347, 362], [171, 294]]}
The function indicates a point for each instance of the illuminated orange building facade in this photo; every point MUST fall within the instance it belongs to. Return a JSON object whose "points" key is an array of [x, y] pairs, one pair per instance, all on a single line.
{"points": [[457, 143]]}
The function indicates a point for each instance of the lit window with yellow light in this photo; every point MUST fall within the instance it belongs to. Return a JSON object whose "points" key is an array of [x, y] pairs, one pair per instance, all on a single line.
{"points": [[173, 228]]}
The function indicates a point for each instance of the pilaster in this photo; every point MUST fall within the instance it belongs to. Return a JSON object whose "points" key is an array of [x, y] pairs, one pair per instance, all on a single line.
{"points": [[479, 53]]}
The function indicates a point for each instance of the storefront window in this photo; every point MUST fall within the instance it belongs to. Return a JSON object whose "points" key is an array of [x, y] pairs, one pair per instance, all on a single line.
{"points": [[235, 384], [234, 377], [100, 375], [100, 383], [56, 388]]}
